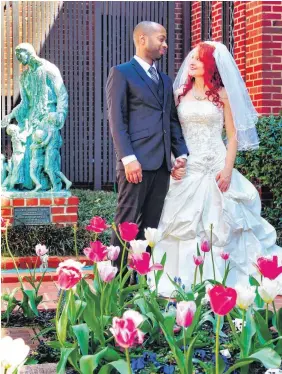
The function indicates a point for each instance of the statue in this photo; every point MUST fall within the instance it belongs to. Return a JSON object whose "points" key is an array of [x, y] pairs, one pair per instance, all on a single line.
{"points": [[35, 164]]}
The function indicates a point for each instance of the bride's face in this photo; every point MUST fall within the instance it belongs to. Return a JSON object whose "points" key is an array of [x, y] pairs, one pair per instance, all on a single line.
{"points": [[196, 67]]}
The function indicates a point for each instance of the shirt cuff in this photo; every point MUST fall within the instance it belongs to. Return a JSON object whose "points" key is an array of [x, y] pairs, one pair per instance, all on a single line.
{"points": [[127, 159], [182, 156]]}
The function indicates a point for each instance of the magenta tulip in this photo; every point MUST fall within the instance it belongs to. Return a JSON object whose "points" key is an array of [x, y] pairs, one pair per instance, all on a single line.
{"points": [[69, 273], [185, 311], [96, 252], [97, 225], [205, 246]]}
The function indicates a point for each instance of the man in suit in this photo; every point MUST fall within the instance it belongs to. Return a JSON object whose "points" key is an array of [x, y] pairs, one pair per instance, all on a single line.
{"points": [[145, 129]]}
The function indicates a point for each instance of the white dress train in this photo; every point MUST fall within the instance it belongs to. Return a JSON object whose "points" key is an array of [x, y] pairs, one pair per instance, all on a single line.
{"points": [[195, 202]]}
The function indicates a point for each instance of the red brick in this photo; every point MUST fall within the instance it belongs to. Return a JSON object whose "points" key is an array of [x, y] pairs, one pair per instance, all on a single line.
{"points": [[71, 209], [74, 200], [59, 201], [64, 218], [6, 212], [45, 202], [19, 202], [57, 210], [5, 201], [32, 202]]}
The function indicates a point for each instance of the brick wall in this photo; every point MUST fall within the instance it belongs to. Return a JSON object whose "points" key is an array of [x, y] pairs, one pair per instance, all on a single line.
{"points": [[196, 23], [217, 21], [178, 35]]}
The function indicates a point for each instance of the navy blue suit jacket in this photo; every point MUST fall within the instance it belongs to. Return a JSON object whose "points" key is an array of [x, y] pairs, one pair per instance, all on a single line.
{"points": [[140, 123]]}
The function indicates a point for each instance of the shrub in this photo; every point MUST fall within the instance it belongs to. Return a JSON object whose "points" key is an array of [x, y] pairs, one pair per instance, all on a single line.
{"points": [[263, 167]]}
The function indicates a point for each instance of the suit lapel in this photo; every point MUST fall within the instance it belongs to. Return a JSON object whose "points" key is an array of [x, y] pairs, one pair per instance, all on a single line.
{"points": [[145, 78]]}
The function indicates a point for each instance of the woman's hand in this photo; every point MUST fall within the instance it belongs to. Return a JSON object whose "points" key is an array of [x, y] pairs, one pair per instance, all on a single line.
{"points": [[223, 179]]}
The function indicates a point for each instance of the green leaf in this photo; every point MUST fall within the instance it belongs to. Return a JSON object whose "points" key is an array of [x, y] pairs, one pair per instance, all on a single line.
{"points": [[195, 322], [61, 367], [169, 321], [62, 324], [268, 357], [261, 328], [82, 334], [159, 273], [279, 321], [71, 308], [119, 365], [190, 354], [249, 332], [239, 364], [141, 303], [156, 311], [31, 294]]}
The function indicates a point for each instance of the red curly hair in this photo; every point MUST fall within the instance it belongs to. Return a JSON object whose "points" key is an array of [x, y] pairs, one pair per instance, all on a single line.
{"points": [[212, 78]]}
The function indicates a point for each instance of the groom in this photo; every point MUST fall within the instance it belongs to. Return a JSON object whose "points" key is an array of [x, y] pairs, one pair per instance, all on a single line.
{"points": [[145, 129]]}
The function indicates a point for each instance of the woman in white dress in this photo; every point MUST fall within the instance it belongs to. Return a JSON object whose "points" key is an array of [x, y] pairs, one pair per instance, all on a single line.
{"points": [[210, 94]]}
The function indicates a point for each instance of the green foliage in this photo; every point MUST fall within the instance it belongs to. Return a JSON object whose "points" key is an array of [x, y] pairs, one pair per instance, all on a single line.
{"points": [[60, 241], [263, 168]]}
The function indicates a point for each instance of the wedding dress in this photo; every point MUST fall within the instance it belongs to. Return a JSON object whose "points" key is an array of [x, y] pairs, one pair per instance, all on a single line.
{"points": [[195, 202]]}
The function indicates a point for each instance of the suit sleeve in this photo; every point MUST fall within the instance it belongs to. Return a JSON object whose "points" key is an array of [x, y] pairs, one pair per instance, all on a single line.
{"points": [[178, 145], [116, 90]]}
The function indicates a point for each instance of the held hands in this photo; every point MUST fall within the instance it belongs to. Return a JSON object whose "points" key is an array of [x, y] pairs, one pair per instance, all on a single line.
{"points": [[223, 179], [133, 172], [179, 169]]}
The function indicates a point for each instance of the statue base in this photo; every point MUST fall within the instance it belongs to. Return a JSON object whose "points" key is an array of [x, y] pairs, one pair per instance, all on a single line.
{"points": [[32, 194], [53, 208]]}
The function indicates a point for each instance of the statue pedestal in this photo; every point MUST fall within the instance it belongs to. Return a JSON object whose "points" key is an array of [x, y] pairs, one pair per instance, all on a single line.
{"points": [[61, 211]]}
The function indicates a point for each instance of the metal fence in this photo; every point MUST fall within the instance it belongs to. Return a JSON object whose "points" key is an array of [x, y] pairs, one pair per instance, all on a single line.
{"points": [[84, 39]]}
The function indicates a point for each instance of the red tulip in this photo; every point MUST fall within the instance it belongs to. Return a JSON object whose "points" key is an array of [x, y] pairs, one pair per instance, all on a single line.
{"points": [[205, 246], [141, 263], [128, 231], [125, 330], [185, 311], [97, 225], [198, 260], [269, 267], [69, 273], [222, 299], [97, 251], [4, 224], [225, 255]]}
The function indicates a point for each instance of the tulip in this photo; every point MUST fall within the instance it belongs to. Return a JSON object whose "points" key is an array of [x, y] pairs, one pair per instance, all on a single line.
{"points": [[128, 231], [97, 225], [268, 267], [13, 354], [41, 250], [269, 289], [245, 295], [113, 252], [198, 260], [106, 271], [69, 273], [138, 246], [185, 311], [224, 255], [205, 246], [151, 235], [141, 263], [222, 299], [96, 252]]}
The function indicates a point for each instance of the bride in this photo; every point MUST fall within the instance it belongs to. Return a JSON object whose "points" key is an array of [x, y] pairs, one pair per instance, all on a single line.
{"points": [[210, 95]]}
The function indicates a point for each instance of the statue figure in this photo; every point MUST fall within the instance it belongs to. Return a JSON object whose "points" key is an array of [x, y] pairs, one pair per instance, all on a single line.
{"points": [[3, 168], [44, 107]]}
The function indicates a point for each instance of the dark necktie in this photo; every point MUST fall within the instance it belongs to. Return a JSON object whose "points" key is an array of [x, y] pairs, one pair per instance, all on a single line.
{"points": [[154, 74]]}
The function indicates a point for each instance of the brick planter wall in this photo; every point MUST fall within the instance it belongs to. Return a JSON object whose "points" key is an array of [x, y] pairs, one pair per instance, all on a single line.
{"points": [[63, 210]]}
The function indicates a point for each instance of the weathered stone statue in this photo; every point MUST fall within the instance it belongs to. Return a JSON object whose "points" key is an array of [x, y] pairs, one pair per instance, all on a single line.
{"points": [[36, 140]]}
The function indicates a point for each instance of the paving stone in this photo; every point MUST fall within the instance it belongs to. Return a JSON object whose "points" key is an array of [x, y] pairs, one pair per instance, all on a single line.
{"points": [[38, 369]]}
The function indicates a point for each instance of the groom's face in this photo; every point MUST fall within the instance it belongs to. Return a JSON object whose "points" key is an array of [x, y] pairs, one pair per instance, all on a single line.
{"points": [[155, 43]]}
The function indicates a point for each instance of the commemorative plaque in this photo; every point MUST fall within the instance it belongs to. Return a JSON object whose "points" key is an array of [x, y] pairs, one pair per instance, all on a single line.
{"points": [[32, 216]]}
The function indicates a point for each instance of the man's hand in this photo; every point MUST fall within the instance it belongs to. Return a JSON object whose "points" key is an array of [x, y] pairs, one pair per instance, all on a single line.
{"points": [[178, 173], [133, 172], [180, 163]]}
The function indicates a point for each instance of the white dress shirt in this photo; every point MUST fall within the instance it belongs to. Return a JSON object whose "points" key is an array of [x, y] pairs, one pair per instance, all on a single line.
{"points": [[144, 64]]}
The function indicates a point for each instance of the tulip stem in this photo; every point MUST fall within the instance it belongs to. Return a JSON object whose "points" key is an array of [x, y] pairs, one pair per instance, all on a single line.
{"points": [[185, 349], [266, 315], [121, 267], [57, 315], [213, 268], [153, 261], [233, 329], [243, 332], [275, 313], [217, 345], [128, 360], [195, 277]]}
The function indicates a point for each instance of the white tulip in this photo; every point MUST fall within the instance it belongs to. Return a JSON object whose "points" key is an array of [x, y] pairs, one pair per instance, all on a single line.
{"points": [[245, 295], [273, 371], [139, 246], [269, 289], [152, 236], [13, 354]]}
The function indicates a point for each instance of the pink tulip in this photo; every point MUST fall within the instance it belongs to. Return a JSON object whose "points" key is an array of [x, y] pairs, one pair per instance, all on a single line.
{"points": [[69, 273], [185, 311], [128, 231], [125, 330], [205, 246], [96, 252], [113, 252], [225, 255], [41, 250], [198, 260], [97, 225], [141, 263], [106, 271], [268, 267]]}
